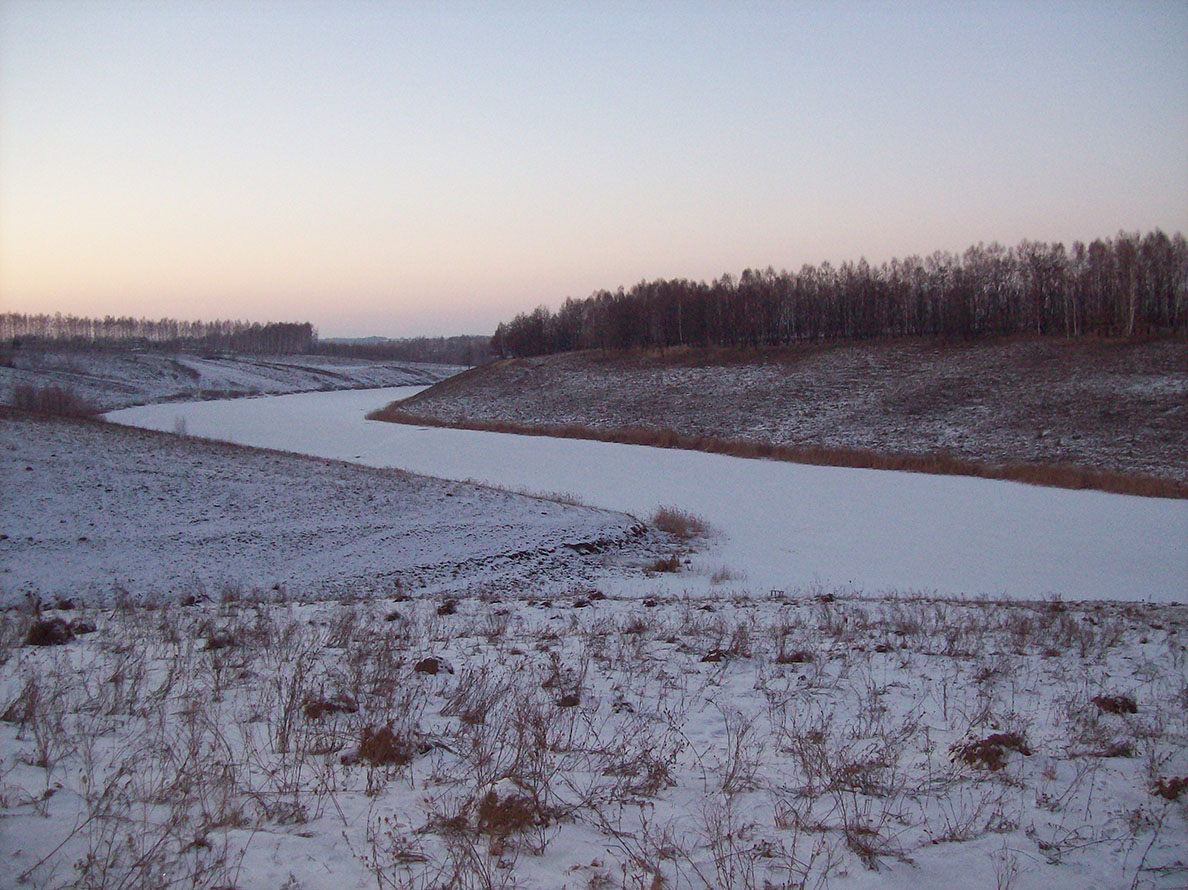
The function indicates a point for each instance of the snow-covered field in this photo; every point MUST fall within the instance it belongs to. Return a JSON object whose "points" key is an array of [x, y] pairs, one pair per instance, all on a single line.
{"points": [[91, 510], [782, 526], [518, 714], [118, 379], [815, 742]]}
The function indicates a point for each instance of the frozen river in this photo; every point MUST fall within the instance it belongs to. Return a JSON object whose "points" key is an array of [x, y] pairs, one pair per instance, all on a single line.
{"points": [[781, 526]]}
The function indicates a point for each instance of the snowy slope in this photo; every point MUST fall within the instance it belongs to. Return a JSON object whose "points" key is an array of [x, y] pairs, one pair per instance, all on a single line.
{"points": [[90, 509], [119, 379], [1109, 406]]}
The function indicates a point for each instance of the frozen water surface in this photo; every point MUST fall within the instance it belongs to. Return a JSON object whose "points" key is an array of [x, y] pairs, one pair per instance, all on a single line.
{"points": [[782, 526]]}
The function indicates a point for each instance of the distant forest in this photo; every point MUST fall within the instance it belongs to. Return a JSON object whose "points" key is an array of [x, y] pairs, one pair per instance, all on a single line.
{"points": [[1131, 285], [462, 350], [24, 331], [167, 334]]}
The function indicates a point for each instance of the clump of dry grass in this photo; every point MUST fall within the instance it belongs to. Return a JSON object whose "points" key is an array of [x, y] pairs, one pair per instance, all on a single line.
{"points": [[680, 523], [316, 708], [1171, 789], [1115, 704], [49, 632], [382, 747], [990, 752], [663, 565], [507, 813], [61, 401]]}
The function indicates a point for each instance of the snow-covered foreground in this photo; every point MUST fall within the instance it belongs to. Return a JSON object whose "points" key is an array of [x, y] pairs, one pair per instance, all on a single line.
{"points": [[782, 526], [807, 742]]}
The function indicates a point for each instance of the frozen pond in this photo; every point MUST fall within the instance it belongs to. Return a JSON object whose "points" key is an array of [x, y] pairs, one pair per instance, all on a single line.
{"points": [[783, 526]]}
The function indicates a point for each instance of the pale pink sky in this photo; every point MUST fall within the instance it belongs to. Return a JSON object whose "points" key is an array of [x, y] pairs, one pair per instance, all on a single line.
{"points": [[429, 168]]}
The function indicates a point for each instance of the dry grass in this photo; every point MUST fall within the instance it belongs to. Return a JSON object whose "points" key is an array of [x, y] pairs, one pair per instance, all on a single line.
{"points": [[784, 742], [60, 401], [1050, 475], [680, 523], [668, 564], [990, 752]]}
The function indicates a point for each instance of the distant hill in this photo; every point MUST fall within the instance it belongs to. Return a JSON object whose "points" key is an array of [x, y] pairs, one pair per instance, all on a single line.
{"points": [[106, 380], [1073, 413]]}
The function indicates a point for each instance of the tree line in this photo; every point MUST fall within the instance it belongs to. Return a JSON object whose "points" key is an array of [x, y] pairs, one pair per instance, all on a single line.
{"points": [[58, 331], [21, 330], [1127, 286], [461, 350]]}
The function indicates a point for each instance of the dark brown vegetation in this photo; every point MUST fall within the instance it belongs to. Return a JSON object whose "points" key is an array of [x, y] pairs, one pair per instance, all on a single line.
{"points": [[1115, 704], [49, 632], [382, 747], [315, 707], [1125, 286], [990, 752], [60, 401], [428, 665], [1171, 789]]}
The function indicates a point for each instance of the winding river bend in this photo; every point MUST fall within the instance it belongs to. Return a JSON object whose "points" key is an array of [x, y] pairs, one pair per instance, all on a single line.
{"points": [[781, 526]]}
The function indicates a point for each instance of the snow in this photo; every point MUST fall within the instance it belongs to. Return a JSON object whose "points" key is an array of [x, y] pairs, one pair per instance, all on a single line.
{"points": [[1109, 406], [118, 379], [782, 526], [665, 731], [91, 509], [159, 755]]}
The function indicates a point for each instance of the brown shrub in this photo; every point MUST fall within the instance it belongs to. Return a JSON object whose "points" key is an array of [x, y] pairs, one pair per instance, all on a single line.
{"points": [[508, 814], [61, 401], [49, 632], [670, 564], [800, 656], [316, 708], [382, 747], [1115, 704], [990, 752], [428, 665], [1171, 789], [680, 523]]}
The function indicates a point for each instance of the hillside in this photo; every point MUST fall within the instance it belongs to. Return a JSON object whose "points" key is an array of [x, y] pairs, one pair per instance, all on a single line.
{"points": [[92, 509], [1111, 407], [119, 379]]}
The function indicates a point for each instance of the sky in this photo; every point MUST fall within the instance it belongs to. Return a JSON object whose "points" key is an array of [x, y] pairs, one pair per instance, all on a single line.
{"points": [[406, 169]]}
